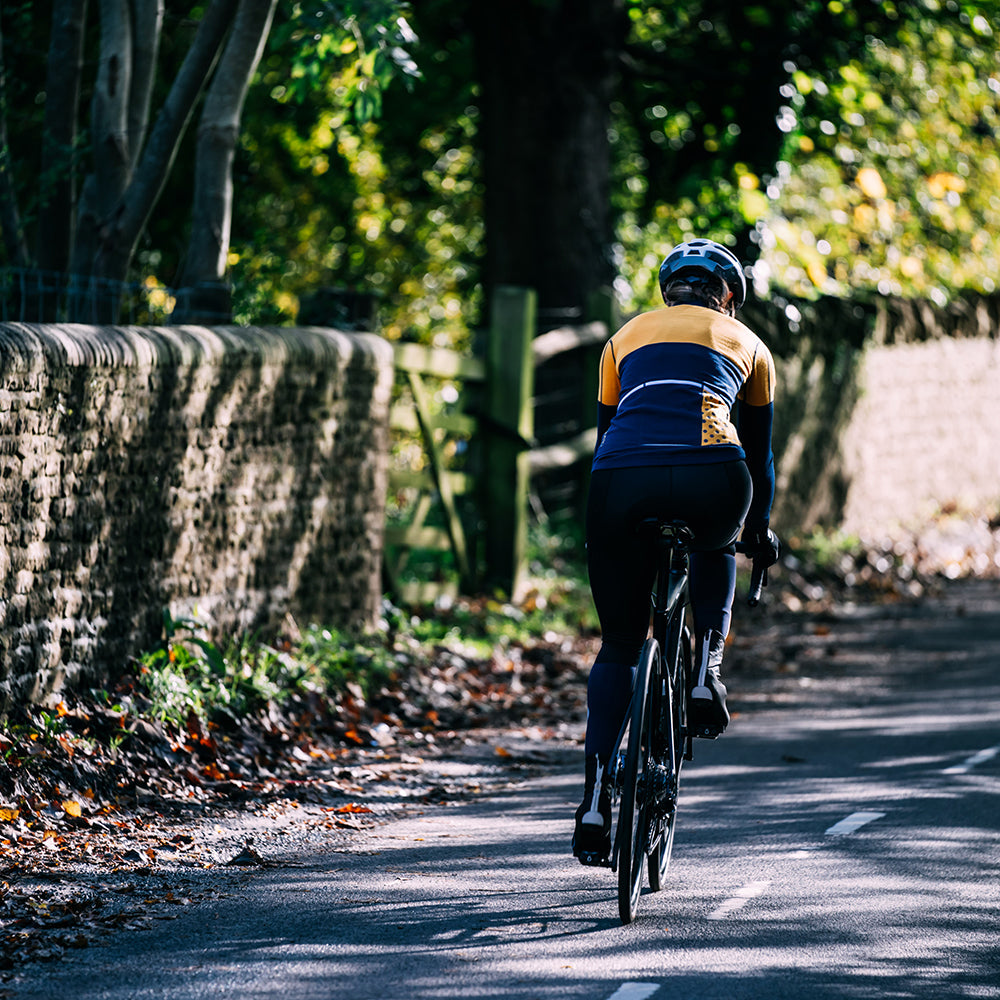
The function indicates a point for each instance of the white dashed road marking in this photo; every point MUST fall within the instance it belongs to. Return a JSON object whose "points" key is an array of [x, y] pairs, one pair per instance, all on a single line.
{"points": [[740, 898], [634, 991], [977, 758], [852, 823]]}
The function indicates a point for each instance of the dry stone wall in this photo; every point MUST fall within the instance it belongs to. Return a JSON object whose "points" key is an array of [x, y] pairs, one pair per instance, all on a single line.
{"points": [[886, 412], [237, 474], [924, 435]]}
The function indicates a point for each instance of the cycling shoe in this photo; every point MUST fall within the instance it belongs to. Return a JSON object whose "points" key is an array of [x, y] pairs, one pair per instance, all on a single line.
{"points": [[592, 835]]}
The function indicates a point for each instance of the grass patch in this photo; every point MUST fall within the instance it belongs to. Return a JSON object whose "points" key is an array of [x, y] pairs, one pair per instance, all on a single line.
{"points": [[190, 674]]}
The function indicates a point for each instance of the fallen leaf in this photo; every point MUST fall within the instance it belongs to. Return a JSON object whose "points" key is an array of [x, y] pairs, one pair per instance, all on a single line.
{"points": [[248, 856], [72, 808]]}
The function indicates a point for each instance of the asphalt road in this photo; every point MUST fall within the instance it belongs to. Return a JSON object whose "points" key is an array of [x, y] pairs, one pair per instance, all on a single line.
{"points": [[841, 841]]}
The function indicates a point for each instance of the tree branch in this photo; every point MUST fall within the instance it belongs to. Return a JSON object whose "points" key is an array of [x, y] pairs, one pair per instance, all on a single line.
{"points": [[218, 133], [122, 232], [147, 23]]}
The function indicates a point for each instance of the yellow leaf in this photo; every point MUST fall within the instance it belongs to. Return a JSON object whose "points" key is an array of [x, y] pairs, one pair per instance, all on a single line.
{"points": [[817, 273], [72, 808], [942, 182], [9, 815], [871, 183]]}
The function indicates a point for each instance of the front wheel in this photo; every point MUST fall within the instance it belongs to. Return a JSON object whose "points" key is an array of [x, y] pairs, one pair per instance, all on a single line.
{"points": [[633, 814], [674, 705]]}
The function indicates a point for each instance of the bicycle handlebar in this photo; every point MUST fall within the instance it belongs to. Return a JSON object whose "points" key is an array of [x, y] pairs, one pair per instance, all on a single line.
{"points": [[758, 577]]}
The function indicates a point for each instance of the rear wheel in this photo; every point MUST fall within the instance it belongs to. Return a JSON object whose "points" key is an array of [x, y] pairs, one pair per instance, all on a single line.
{"points": [[633, 814], [674, 701]]}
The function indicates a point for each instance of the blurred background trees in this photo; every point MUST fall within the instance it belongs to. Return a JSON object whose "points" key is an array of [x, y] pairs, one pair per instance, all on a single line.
{"points": [[418, 155]]}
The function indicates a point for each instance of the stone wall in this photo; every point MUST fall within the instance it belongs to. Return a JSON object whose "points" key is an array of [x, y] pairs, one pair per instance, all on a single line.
{"points": [[886, 412], [235, 473], [924, 434]]}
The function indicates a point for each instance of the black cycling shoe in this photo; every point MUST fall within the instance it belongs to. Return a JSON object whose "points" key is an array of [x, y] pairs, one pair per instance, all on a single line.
{"points": [[592, 836], [592, 844], [707, 712]]}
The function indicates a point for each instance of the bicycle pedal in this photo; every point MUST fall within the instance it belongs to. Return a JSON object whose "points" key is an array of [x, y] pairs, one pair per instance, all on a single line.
{"points": [[702, 720], [594, 859], [708, 732]]}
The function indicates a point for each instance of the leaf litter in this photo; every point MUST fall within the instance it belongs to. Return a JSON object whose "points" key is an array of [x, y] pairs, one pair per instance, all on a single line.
{"points": [[118, 820]]}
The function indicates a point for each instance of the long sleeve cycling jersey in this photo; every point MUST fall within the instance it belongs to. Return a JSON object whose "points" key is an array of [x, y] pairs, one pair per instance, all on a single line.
{"points": [[669, 380]]}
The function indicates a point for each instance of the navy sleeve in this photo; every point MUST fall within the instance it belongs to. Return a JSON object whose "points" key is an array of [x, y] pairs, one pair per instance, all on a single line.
{"points": [[604, 415], [755, 434]]}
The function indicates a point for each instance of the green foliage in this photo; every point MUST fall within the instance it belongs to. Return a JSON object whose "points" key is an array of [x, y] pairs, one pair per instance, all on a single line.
{"points": [[191, 675], [824, 549], [724, 152], [551, 606], [890, 170], [365, 41], [333, 659], [766, 120], [388, 208], [359, 166]]}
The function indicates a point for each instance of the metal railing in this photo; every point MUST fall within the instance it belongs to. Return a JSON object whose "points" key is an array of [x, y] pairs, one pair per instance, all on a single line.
{"points": [[28, 295]]}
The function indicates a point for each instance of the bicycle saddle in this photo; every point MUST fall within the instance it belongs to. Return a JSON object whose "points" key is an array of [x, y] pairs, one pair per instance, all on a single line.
{"points": [[666, 529]]}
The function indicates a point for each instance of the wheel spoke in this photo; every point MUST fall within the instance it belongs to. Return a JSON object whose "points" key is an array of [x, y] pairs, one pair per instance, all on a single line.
{"points": [[676, 696], [634, 816]]}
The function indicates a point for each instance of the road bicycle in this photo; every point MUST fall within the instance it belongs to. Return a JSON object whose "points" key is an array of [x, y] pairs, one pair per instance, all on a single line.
{"points": [[655, 739]]}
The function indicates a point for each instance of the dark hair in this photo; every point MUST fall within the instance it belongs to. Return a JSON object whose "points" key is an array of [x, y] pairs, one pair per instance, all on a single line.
{"points": [[707, 290]]}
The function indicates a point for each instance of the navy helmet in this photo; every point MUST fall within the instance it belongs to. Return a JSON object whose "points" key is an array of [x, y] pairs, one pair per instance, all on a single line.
{"points": [[688, 260]]}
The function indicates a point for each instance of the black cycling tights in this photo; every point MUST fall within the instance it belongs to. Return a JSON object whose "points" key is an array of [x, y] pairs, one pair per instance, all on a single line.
{"points": [[713, 500]]}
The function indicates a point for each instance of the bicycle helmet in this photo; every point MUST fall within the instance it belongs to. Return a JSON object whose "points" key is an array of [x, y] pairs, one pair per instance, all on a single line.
{"points": [[694, 256]]}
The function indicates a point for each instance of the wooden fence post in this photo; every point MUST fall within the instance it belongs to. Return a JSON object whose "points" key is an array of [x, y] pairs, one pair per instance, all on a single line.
{"points": [[508, 429], [602, 307]]}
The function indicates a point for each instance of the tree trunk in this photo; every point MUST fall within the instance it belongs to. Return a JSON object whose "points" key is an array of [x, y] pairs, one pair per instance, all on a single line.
{"points": [[109, 106], [62, 102], [203, 292], [120, 233], [147, 24], [548, 69], [10, 215]]}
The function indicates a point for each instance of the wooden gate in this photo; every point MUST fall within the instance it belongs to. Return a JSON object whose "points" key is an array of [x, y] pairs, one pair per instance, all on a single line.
{"points": [[464, 452]]}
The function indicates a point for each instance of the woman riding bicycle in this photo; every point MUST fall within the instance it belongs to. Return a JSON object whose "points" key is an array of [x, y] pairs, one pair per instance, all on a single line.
{"points": [[667, 446]]}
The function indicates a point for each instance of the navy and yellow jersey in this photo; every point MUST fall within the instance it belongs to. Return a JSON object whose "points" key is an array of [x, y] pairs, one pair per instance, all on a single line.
{"points": [[668, 382]]}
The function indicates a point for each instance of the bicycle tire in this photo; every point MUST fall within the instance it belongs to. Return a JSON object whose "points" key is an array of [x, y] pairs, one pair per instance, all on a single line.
{"points": [[677, 678], [633, 815]]}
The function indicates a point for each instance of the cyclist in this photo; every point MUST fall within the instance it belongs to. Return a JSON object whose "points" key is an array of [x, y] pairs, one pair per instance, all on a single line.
{"points": [[668, 444]]}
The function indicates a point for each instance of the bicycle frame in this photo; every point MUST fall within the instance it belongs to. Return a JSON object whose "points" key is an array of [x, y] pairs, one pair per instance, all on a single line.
{"points": [[655, 736], [669, 603]]}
